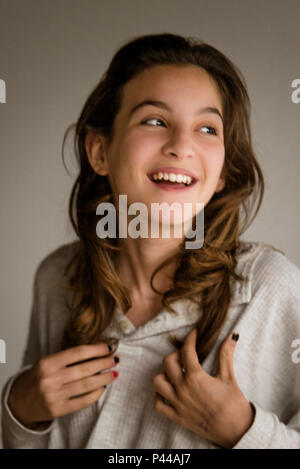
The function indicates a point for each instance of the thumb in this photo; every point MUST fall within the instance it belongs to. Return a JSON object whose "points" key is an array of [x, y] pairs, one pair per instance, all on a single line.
{"points": [[226, 353]]}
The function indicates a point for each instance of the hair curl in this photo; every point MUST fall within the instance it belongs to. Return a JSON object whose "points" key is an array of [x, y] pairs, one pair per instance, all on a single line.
{"points": [[203, 275]]}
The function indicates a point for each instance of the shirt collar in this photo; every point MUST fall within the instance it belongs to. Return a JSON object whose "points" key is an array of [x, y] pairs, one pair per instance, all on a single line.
{"points": [[247, 255], [187, 312]]}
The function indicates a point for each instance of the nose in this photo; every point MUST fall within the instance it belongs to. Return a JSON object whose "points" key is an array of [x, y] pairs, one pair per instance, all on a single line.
{"points": [[179, 144]]}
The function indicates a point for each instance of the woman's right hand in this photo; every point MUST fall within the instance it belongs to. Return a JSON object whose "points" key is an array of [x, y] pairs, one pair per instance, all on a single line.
{"points": [[51, 387]]}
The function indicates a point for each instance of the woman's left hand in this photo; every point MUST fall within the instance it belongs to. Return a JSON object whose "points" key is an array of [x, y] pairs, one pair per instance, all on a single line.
{"points": [[213, 407]]}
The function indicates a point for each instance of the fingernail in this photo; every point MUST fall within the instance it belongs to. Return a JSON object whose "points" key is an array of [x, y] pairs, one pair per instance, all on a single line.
{"points": [[104, 386], [116, 359], [109, 347], [235, 337], [115, 374]]}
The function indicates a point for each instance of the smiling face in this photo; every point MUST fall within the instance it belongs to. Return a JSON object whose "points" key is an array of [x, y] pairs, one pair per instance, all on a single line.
{"points": [[181, 129]]}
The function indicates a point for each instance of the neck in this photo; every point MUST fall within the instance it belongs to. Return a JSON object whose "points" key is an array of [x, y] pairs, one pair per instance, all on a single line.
{"points": [[138, 260]]}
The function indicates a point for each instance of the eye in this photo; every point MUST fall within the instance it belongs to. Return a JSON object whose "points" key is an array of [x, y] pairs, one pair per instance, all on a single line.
{"points": [[152, 119], [212, 130]]}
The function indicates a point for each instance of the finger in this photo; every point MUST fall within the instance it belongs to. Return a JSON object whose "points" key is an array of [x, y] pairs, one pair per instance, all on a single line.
{"points": [[73, 405], [85, 385], [226, 358], [84, 353], [162, 385], [173, 368], [188, 353], [164, 408], [75, 355], [78, 372]]}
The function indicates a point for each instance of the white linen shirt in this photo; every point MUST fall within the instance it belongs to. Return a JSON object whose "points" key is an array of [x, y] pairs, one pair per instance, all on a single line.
{"points": [[265, 311]]}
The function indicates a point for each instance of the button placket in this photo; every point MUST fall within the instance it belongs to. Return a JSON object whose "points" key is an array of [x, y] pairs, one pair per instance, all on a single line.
{"points": [[124, 326]]}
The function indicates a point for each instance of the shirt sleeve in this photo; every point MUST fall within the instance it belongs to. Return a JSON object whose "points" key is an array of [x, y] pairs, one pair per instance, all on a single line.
{"points": [[279, 282], [14, 434], [268, 432]]}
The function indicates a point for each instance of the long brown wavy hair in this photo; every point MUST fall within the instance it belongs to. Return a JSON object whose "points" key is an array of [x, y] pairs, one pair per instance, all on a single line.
{"points": [[203, 275]]}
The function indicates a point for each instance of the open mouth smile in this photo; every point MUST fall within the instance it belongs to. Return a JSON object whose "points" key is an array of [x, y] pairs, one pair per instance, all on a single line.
{"points": [[172, 179]]}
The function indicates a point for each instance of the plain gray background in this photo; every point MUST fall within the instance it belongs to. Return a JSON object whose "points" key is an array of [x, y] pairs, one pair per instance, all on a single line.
{"points": [[52, 53]]}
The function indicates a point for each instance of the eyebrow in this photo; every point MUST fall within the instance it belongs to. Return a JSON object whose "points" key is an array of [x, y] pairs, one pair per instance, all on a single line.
{"points": [[162, 105]]}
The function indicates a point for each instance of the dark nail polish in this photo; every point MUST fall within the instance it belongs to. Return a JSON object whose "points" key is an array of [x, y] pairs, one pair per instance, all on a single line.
{"points": [[109, 347], [104, 386], [235, 337], [116, 359]]}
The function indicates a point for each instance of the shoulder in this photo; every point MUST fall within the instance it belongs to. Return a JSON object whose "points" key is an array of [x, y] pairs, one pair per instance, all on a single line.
{"points": [[51, 301], [269, 272], [52, 268], [269, 305]]}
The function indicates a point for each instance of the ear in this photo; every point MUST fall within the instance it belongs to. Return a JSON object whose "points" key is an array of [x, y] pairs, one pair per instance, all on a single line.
{"points": [[95, 147]]}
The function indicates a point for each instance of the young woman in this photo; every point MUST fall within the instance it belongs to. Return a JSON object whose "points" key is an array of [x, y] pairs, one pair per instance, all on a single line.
{"points": [[133, 340]]}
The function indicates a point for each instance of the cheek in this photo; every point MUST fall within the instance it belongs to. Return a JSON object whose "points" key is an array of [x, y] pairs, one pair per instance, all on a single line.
{"points": [[213, 156], [138, 148], [125, 160], [132, 158]]}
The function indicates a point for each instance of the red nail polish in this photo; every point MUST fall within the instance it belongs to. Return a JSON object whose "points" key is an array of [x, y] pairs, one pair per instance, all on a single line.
{"points": [[115, 374]]}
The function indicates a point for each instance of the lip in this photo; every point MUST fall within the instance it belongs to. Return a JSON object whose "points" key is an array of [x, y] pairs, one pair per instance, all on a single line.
{"points": [[175, 170]]}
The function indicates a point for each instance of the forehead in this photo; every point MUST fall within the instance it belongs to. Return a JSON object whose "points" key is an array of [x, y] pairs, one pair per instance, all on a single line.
{"points": [[173, 82]]}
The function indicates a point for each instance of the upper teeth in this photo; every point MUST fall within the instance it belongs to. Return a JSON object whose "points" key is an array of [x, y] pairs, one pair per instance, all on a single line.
{"points": [[173, 177]]}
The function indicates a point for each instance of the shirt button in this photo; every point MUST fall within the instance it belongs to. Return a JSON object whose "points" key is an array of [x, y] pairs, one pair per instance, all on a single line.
{"points": [[124, 326]]}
